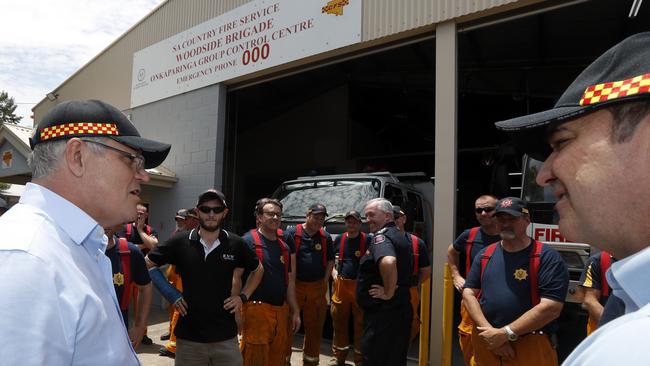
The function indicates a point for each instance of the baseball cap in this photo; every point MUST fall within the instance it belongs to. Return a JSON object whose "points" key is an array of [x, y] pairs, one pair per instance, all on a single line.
{"points": [[184, 213], [353, 213], [95, 118], [212, 194], [317, 208], [397, 211], [621, 74], [513, 206]]}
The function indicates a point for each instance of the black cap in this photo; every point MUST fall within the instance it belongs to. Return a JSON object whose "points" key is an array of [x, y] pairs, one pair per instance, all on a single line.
{"points": [[94, 118], [317, 208], [397, 211], [353, 213], [621, 74], [513, 206], [212, 194], [184, 213]]}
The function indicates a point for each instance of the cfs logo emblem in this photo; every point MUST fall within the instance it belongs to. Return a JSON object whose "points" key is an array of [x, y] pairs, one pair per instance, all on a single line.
{"points": [[335, 7], [228, 257]]}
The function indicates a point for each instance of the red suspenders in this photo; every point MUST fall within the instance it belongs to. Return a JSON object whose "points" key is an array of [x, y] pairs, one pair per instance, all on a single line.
{"points": [[416, 253], [533, 267], [260, 253], [468, 249], [323, 241], [129, 230], [605, 263], [362, 245], [125, 258]]}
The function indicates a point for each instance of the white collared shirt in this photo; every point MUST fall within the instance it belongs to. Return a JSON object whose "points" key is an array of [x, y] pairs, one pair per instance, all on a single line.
{"points": [[622, 341], [58, 302]]}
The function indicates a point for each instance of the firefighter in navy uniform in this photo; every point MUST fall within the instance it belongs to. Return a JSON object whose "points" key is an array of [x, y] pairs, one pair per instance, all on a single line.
{"points": [[597, 292], [383, 289]]}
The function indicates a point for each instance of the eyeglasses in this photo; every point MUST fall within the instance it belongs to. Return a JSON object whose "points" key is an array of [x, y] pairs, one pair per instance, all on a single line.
{"points": [[207, 209], [271, 215], [137, 161], [480, 210]]}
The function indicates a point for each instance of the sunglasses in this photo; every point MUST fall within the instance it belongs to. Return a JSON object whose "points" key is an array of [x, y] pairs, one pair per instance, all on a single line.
{"points": [[480, 210], [207, 209]]}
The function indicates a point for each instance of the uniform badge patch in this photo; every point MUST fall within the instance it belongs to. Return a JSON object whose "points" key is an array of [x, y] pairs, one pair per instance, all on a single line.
{"points": [[318, 247], [357, 254], [379, 239], [118, 279], [282, 259], [520, 274]]}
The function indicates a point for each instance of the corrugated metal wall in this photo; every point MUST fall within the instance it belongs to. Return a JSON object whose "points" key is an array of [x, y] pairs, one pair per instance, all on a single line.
{"points": [[108, 76]]}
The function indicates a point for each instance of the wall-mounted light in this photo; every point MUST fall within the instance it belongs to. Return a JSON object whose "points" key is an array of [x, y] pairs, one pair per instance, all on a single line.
{"points": [[52, 96]]}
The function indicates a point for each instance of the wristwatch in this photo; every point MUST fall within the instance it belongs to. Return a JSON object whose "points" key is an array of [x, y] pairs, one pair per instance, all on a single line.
{"points": [[243, 297], [512, 336]]}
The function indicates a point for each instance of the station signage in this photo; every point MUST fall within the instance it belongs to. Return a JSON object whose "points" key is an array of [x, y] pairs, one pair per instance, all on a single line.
{"points": [[253, 37]]}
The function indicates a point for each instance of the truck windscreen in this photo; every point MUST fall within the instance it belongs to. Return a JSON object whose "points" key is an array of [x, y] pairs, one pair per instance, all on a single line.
{"points": [[339, 196], [533, 192]]}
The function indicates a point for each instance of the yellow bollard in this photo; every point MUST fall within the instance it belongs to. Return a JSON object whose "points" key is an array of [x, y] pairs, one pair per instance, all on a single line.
{"points": [[425, 319], [447, 317]]}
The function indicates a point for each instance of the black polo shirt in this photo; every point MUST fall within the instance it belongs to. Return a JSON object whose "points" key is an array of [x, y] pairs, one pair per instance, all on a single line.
{"points": [[207, 282]]}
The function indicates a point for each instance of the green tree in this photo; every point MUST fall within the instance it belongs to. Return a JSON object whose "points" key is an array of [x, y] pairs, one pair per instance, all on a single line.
{"points": [[7, 109]]}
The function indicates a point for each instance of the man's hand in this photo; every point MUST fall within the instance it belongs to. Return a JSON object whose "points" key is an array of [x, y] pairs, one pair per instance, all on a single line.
{"points": [[181, 306], [233, 303], [377, 292], [505, 350], [493, 337], [139, 222], [459, 283], [135, 335], [295, 322]]}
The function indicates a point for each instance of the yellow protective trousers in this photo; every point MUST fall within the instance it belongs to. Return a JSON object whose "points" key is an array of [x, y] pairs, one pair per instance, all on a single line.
{"points": [[465, 334], [311, 300], [265, 334], [530, 350], [175, 281], [344, 304]]}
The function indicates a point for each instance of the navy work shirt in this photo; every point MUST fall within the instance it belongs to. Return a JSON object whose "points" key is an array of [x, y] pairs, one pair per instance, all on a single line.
{"points": [[505, 285], [349, 266], [481, 240], [309, 256], [273, 287]]}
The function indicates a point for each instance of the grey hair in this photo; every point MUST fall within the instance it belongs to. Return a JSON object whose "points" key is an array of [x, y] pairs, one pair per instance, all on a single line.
{"points": [[383, 205], [46, 157]]}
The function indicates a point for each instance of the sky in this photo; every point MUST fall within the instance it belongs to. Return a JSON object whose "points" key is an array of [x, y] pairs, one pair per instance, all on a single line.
{"points": [[43, 42]]}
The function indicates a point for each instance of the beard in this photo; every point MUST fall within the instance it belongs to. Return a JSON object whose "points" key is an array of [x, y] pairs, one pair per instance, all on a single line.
{"points": [[209, 227], [507, 235]]}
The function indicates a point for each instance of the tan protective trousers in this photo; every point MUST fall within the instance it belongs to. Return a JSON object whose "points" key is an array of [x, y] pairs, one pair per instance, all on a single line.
{"points": [[344, 304], [311, 300], [530, 350], [264, 334], [465, 334]]}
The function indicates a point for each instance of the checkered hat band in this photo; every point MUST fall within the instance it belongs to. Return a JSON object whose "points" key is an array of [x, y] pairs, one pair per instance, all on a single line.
{"points": [[617, 89], [80, 128]]}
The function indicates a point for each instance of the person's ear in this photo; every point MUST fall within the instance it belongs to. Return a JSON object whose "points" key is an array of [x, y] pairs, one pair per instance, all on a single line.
{"points": [[75, 156]]}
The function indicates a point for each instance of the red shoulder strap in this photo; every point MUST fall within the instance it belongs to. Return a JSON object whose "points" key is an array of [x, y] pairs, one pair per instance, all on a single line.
{"points": [[323, 244], [416, 253], [260, 253], [342, 246], [485, 258], [362, 244], [468, 249], [129, 230], [298, 237], [605, 263], [258, 245], [535, 257], [125, 258]]}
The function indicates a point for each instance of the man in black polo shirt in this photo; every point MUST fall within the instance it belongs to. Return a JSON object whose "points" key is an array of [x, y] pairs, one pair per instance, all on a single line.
{"points": [[383, 289], [208, 259]]}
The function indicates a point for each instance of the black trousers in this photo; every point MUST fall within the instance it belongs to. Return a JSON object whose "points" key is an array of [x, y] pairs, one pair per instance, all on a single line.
{"points": [[386, 333]]}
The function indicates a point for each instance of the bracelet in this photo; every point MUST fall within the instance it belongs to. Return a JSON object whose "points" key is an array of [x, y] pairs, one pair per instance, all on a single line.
{"points": [[243, 297]]}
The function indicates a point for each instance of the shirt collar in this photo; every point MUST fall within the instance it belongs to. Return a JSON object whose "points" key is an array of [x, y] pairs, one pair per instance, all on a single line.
{"points": [[70, 218], [629, 278]]}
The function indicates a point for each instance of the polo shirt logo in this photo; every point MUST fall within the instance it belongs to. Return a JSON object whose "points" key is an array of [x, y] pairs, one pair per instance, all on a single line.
{"points": [[520, 274], [228, 257]]}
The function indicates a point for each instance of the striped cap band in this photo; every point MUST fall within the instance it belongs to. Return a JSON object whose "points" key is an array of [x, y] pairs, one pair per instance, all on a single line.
{"points": [[617, 89], [80, 128]]}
